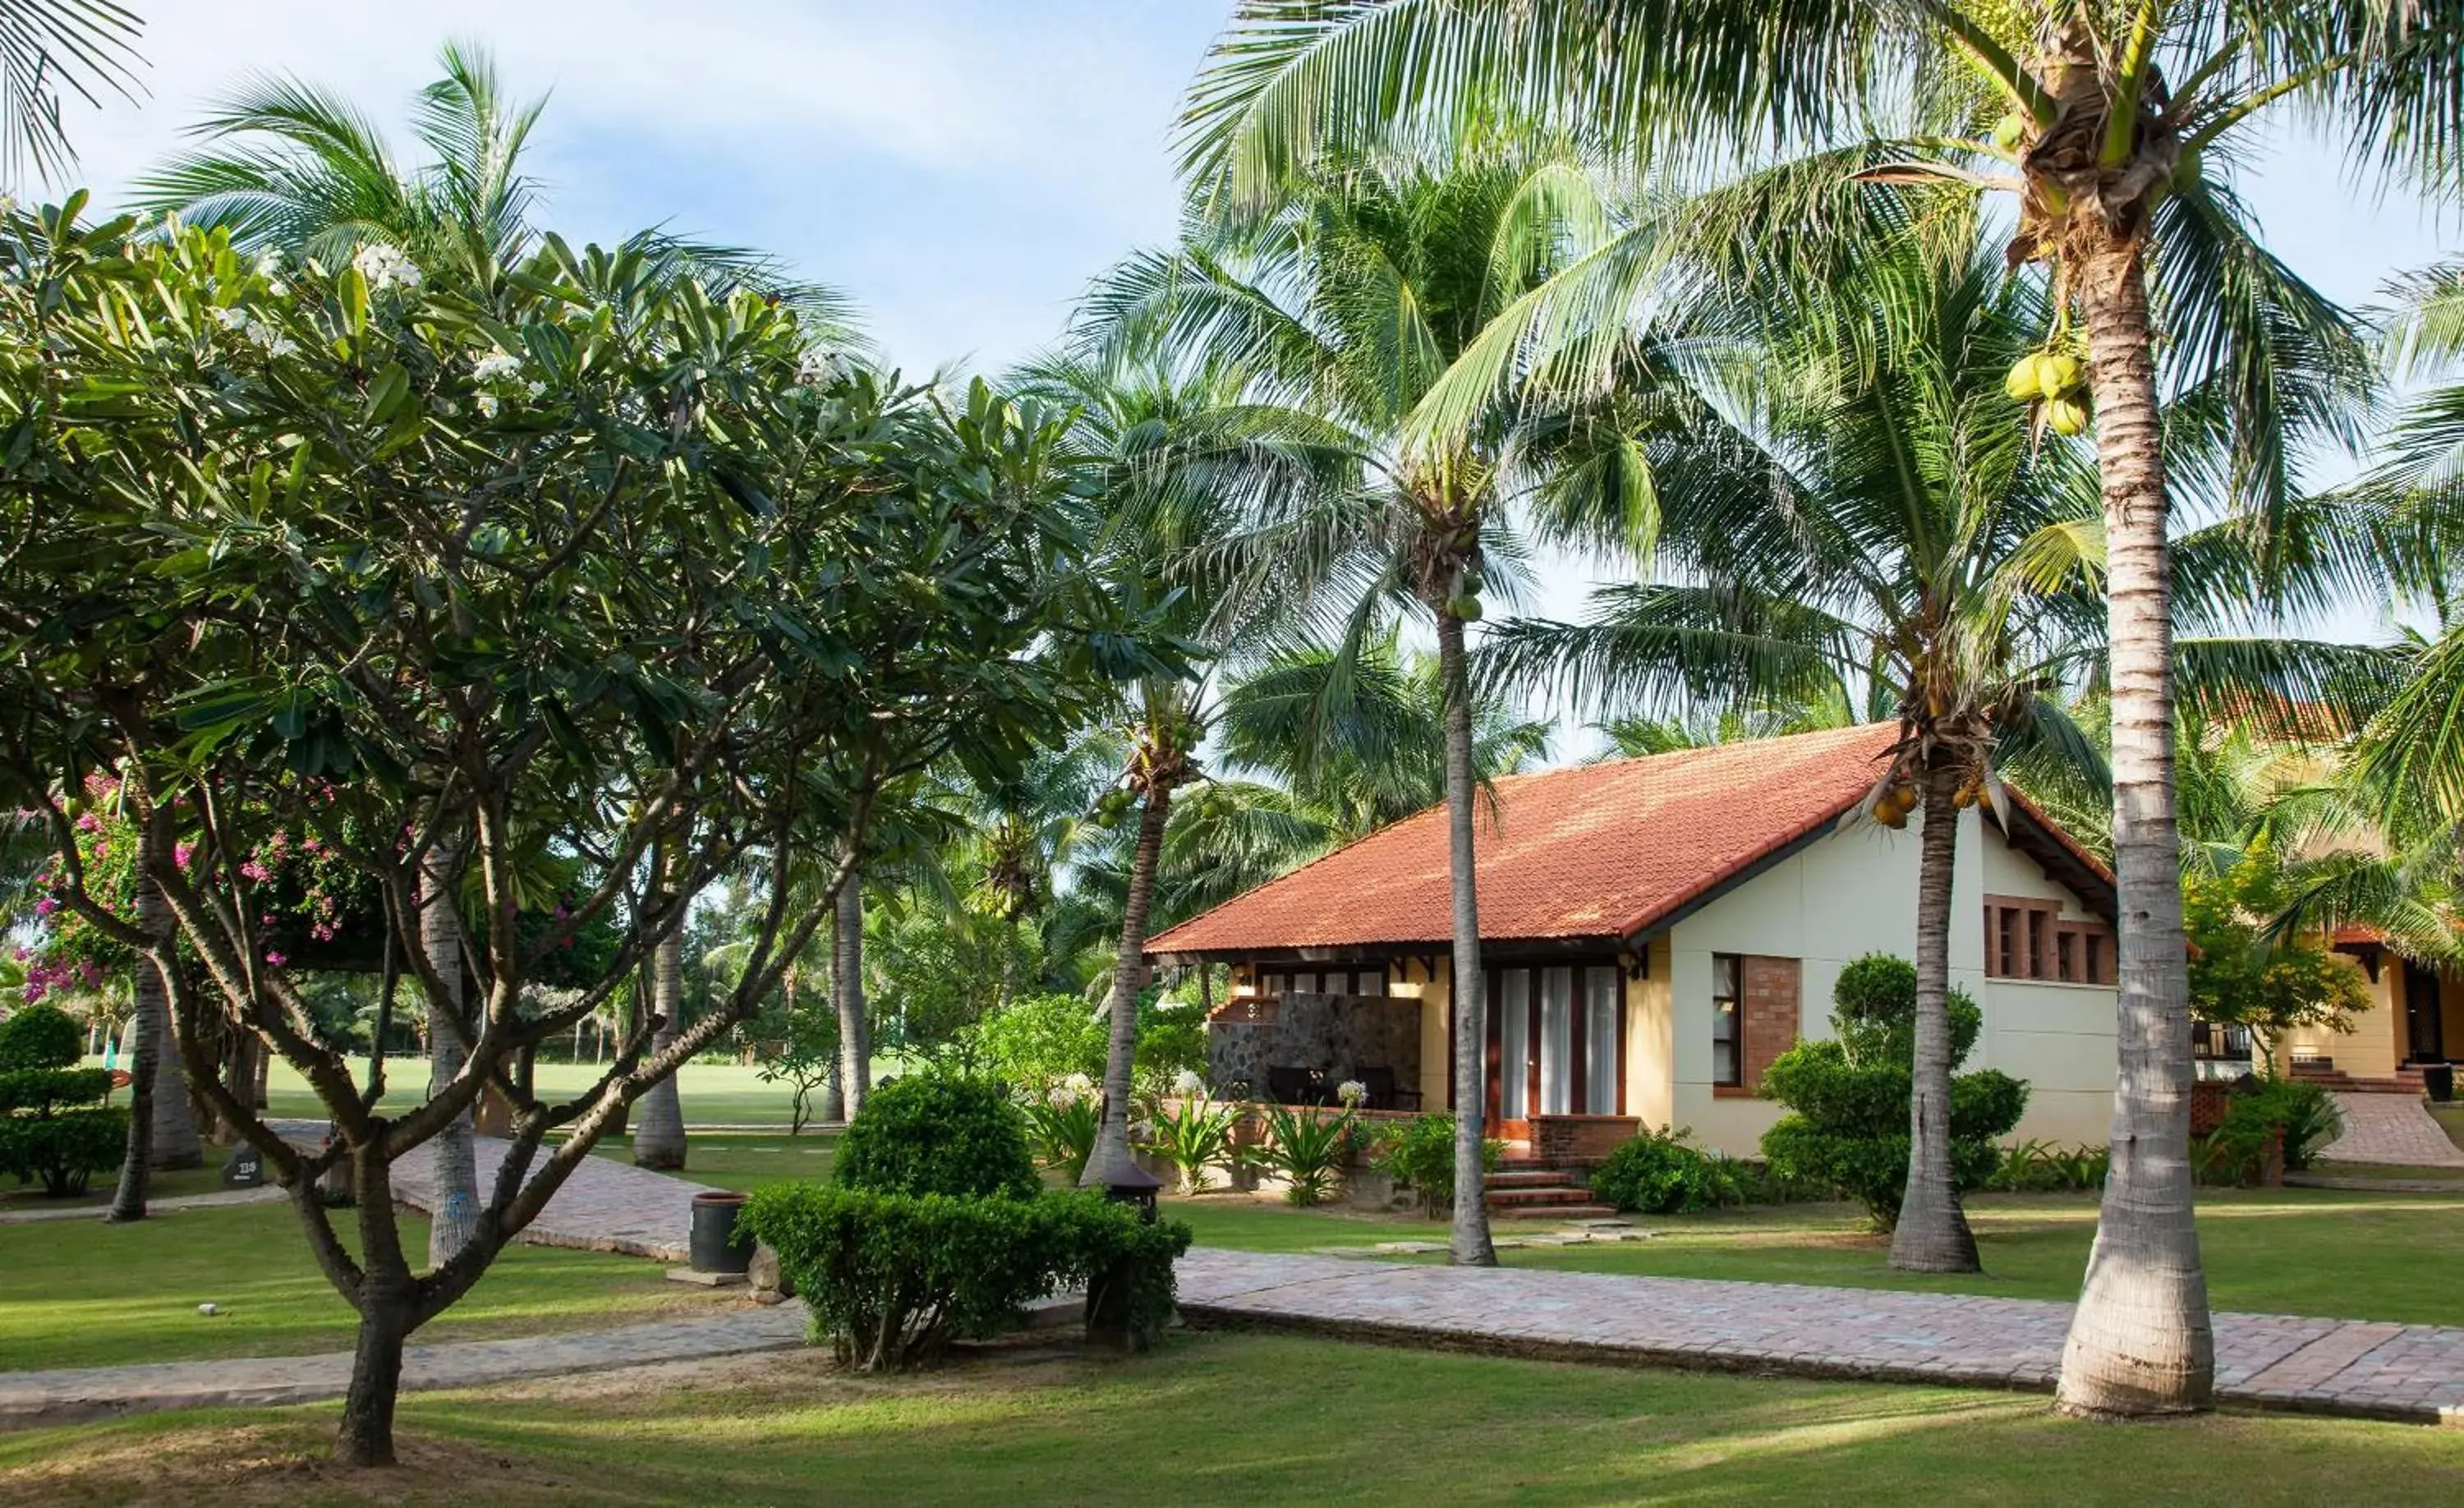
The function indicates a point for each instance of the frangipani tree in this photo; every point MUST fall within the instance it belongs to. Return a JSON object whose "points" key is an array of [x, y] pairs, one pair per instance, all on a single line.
{"points": [[2113, 126], [653, 593]]}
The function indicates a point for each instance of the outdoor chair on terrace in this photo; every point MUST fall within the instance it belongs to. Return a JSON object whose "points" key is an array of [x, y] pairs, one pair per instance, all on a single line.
{"points": [[1383, 1094], [1294, 1087]]}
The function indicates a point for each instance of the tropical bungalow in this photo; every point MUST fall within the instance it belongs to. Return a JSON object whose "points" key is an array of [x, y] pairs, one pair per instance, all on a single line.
{"points": [[2415, 1020], [1655, 931]]}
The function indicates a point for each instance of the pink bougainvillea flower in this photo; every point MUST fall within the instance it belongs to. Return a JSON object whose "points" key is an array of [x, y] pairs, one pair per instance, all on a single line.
{"points": [[275, 958]]}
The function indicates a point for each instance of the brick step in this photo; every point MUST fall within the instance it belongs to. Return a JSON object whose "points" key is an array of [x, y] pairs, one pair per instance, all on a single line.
{"points": [[1553, 1212], [1521, 1198], [1528, 1178]]}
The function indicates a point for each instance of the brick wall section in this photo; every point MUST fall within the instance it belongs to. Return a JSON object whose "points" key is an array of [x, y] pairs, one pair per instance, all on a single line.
{"points": [[1562, 1141], [1770, 1012]]}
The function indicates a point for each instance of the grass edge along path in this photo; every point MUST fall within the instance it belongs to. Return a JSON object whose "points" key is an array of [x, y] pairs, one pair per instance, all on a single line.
{"points": [[1272, 1420]]}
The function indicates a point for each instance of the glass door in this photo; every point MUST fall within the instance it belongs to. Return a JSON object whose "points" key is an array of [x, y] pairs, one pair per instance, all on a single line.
{"points": [[1556, 1041], [1512, 1009]]}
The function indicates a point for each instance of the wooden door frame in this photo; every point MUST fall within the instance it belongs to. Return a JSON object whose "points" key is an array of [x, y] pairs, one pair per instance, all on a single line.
{"points": [[1578, 1006]]}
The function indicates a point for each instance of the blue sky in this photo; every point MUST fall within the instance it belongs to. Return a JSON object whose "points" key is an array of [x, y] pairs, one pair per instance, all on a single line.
{"points": [[960, 167]]}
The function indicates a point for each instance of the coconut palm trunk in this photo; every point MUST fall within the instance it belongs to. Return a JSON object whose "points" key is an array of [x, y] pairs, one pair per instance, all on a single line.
{"points": [[846, 989], [1111, 1153], [1469, 1245], [2141, 1341], [659, 1137], [1932, 1236], [457, 1170]]}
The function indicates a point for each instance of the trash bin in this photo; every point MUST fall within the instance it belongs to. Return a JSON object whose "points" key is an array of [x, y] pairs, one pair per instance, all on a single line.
{"points": [[716, 1246], [2439, 1079]]}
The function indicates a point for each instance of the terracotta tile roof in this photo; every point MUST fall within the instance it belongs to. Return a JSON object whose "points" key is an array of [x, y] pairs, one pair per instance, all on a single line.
{"points": [[1600, 850]]}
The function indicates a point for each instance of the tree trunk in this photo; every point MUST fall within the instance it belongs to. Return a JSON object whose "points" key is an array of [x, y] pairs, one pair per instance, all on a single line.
{"points": [[384, 1305], [847, 990], [457, 1169], [1932, 1236], [1111, 1158], [2141, 1341], [150, 1013], [659, 1139], [1469, 1245], [174, 1138]]}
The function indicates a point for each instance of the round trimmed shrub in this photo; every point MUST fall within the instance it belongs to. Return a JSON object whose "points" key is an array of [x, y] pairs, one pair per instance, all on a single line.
{"points": [[1661, 1175], [938, 1133], [39, 1037]]}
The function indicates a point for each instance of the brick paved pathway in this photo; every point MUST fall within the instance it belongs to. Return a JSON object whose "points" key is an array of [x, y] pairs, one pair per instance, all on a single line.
{"points": [[606, 1206], [39, 1398], [2391, 1129], [2385, 1371]]}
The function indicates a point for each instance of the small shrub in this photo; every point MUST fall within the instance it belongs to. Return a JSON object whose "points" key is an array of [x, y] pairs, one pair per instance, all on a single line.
{"points": [[893, 1279], [1848, 1098], [51, 1127], [1064, 1127], [39, 1037], [938, 1133], [63, 1150], [1308, 1149], [1419, 1154], [1660, 1173], [2304, 1113], [1198, 1135], [2041, 1166]]}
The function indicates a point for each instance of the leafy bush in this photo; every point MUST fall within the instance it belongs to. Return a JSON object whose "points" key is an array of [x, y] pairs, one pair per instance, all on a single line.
{"points": [[1420, 1154], [64, 1148], [1308, 1149], [1196, 1136], [1064, 1127], [1658, 1173], [2304, 1113], [1172, 1041], [39, 1037], [1038, 1041], [1848, 1097], [2041, 1167], [39, 1089], [893, 1279], [938, 1133]]}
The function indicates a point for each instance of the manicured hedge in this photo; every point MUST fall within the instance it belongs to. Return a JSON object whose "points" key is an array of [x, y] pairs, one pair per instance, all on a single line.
{"points": [[893, 1279], [63, 1150], [938, 1133]]}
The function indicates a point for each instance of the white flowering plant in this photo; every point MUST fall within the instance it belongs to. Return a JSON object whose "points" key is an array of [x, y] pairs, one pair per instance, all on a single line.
{"points": [[1353, 1093]]}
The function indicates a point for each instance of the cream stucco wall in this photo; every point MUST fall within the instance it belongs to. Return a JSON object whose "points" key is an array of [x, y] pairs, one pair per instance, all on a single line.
{"points": [[2378, 1040], [1853, 892], [1847, 894]]}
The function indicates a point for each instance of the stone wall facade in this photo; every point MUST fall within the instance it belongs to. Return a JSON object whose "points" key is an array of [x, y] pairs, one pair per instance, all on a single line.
{"points": [[1336, 1034]]}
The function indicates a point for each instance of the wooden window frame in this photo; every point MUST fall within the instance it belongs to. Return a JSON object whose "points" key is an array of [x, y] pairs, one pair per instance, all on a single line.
{"points": [[1493, 1044], [2028, 940], [1736, 1079]]}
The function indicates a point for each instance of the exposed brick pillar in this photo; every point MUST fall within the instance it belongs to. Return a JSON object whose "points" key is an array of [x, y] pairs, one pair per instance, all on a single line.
{"points": [[1771, 1011]]}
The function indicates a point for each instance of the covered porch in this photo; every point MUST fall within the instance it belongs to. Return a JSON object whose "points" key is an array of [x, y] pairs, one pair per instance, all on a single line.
{"points": [[1297, 1029]]}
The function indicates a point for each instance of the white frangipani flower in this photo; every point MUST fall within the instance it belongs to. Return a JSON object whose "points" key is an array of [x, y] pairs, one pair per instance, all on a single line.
{"points": [[384, 267], [496, 364]]}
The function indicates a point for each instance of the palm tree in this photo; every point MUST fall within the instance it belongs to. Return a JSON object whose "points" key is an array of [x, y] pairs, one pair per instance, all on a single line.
{"points": [[293, 169], [1873, 511], [1339, 310], [2112, 126], [48, 47], [1359, 740]]}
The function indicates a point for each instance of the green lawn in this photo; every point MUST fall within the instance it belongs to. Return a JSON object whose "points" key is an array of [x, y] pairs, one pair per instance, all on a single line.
{"points": [[728, 1159], [714, 1094], [1239, 1419], [2284, 1251], [207, 1179], [77, 1293]]}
